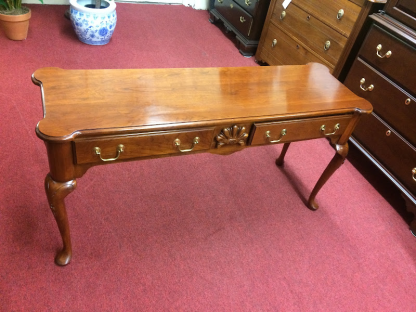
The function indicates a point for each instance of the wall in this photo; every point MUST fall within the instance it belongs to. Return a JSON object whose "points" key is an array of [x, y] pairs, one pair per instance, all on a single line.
{"points": [[196, 4]]}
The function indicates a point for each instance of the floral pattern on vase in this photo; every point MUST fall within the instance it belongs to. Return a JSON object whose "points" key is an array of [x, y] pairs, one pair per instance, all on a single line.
{"points": [[93, 26]]}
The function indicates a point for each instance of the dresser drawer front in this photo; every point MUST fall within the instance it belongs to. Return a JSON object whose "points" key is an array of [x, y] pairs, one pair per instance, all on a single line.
{"points": [[304, 129], [285, 50], [328, 13], [391, 103], [249, 5], [395, 66], [402, 10], [143, 145], [235, 15], [390, 150], [311, 31]]}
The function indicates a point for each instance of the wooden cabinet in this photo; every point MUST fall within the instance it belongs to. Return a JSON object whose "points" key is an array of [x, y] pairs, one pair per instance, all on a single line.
{"points": [[245, 18], [384, 73], [307, 31]]}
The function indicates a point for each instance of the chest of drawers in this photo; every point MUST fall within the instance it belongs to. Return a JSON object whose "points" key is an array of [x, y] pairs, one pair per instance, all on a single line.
{"points": [[245, 18], [384, 73], [307, 31]]}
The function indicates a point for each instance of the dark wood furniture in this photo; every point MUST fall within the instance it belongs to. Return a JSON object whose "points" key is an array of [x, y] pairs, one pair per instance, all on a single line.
{"points": [[245, 18], [96, 117], [311, 31], [384, 73]]}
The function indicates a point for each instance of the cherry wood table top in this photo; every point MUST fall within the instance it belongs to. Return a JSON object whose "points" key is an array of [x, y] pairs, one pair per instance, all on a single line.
{"points": [[83, 101]]}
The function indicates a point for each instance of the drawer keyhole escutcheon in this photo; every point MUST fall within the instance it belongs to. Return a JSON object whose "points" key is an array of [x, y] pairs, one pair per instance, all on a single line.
{"points": [[414, 174], [177, 143], [120, 149], [340, 14], [327, 45], [408, 101], [388, 132], [242, 19], [282, 134], [248, 2], [282, 15], [336, 128], [386, 55], [274, 42], [369, 88]]}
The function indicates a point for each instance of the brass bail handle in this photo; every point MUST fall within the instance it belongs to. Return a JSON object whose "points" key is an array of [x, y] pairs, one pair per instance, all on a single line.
{"points": [[248, 2], [336, 128], [282, 134], [414, 174], [177, 144], [362, 87], [120, 149], [386, 55]]}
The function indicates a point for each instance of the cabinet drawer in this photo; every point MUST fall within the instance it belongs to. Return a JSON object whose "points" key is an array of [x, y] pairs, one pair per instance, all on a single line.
{"points": [[288, 131], [391, 103], [394, 67], [391, 151], [235, 15], [142, 145], [329, 13], [283, 49], [325, 41]]}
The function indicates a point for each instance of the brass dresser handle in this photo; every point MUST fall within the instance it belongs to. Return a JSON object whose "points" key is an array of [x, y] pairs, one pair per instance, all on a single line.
{"points": [[177, 143], [282, 134], [408, 101], [414, 174], [340, 14], [369, 88], [274, 42], [386, 55], [120, 149], [336, 128], [248, 2], [327, 45], [282, 15], [242, 19]]}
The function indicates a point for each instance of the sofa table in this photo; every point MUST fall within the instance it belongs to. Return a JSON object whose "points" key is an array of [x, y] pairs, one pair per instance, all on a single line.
{"points": [[97, 117]]}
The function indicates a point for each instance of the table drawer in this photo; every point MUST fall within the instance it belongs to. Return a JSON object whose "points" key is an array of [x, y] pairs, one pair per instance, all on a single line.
{"points": [[391, 103], [286, 50], [324, 40], [304, 129], [141, 145], [398, 70], [398, 156], [328, 13], [235, 15]]}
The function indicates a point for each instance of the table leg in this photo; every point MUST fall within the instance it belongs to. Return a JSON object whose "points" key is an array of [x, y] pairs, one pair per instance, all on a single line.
{"points": [[336, 162], [56, 193], [280, 160]]}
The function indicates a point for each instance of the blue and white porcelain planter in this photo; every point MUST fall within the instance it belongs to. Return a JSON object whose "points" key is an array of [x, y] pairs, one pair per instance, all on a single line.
{"points": [[93, 26]]}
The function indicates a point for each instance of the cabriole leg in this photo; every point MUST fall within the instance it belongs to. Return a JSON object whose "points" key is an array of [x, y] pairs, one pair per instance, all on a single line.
{"points": [[280, 160], [56, 193], [336, 162]]}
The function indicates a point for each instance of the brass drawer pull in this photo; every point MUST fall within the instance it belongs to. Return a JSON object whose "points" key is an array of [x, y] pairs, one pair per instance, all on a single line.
{"points": [[386, 55], [220, 1], [388, 132], [242, 19], [408, 101], [120, 149], [336, 128], [177, 143], [327, 45], [282, 15], [282, 134], [414, 174], [274, 42], [369, 88], [340, 14], [248, 2]]}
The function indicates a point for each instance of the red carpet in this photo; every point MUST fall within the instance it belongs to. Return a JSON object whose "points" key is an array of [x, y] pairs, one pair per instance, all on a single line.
{"points": [[194, 233]]}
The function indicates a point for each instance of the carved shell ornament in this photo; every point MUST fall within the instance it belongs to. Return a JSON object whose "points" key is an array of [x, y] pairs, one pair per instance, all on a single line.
{"points": [[232, 136]]}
